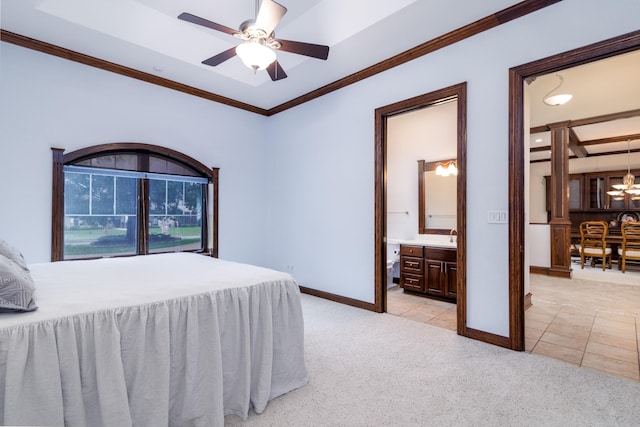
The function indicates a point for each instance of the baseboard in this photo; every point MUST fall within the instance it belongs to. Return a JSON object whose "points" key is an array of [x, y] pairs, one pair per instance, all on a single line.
{"points": [[539, 270], [548, 271], [467, 332], [527, 301], [338, 298], [560, 272]]}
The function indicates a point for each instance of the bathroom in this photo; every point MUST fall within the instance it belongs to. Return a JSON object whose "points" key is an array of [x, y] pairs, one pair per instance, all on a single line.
{"points": [[420, 203]]}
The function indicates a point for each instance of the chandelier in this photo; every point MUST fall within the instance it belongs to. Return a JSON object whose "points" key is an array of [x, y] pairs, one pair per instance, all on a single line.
{"points": [[628, 185]]}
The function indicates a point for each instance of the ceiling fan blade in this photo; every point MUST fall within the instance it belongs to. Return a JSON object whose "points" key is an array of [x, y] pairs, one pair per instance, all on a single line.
{"points": [[269, 15], [307, 49], [206, 23], [221, 57], [276, 72]]}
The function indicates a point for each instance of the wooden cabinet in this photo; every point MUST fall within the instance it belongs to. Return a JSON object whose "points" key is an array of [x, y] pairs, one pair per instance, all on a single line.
{"points": [[596, 192], [575, 192], [440, 272], [598, 183], [411, 268], [588, 192], [429, 270]]}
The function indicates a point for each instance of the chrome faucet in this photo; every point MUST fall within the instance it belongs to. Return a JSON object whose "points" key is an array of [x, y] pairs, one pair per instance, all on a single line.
{"points": [[453, 230]]}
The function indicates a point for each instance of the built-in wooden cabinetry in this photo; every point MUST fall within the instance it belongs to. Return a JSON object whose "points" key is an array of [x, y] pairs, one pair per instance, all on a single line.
{"points": [[412, 268], [588, 198], [427, 270]]}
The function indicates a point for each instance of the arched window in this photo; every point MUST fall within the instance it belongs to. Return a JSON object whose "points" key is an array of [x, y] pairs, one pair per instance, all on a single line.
{"points": [[131, 199]]}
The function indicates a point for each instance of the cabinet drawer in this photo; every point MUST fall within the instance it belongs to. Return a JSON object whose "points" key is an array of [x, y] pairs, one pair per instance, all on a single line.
{"points": [[440, 254], [409, 264], [412, 282], [410, 250]]}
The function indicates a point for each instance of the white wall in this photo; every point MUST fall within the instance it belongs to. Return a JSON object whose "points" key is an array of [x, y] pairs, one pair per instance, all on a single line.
{"points": [[428, 134], [539, 246], [48, 102], [538, 192], [297, 188], [323, 204]]}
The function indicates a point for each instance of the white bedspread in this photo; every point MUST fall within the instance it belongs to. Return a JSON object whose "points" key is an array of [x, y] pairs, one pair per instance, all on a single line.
{"points": [[172, 339]]}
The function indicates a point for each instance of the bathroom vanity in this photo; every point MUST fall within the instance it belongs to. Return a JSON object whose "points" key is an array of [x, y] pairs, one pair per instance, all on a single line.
{"points": [[429, 269], [428, 262]]}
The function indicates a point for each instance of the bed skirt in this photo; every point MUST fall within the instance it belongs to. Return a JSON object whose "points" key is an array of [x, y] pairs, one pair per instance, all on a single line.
{"points": [[187, 361]]}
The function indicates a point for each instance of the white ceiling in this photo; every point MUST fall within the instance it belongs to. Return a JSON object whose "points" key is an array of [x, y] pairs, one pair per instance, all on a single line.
{"points": [[599, 88], [147, 36]]}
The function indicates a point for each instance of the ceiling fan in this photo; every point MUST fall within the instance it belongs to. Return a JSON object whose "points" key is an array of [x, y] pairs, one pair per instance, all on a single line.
{"points": [[257, 50]]}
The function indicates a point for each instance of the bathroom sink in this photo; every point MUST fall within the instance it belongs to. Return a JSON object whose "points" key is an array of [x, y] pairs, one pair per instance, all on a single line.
{"points": [[434, 240]]}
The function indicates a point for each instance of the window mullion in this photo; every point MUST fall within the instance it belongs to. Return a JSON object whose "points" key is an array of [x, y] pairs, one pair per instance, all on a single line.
{"points": [[90, 194], [143, 216], [115, 194], [184, 200]]}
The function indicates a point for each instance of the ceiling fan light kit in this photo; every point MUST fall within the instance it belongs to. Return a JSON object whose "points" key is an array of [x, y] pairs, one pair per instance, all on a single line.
{"points": [[259, 43], [255, 55]]}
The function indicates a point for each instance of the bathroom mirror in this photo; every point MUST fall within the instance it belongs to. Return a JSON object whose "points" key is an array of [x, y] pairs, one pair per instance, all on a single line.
{"points": [[437, 198]]}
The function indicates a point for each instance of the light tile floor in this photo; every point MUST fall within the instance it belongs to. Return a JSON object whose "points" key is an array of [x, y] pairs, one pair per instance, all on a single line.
{"points": [[591, 320], [426, 310]]}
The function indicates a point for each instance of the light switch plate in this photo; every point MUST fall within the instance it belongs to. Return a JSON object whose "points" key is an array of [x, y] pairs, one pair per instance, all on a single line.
{"points": [[498, 217]]}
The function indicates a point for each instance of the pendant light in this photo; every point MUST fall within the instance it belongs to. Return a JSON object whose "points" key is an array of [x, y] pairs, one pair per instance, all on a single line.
{"points": [[628, 185], [559, 99]]}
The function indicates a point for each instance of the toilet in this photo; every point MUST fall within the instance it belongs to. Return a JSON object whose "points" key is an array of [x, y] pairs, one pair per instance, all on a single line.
{"points": [[393, 262]]}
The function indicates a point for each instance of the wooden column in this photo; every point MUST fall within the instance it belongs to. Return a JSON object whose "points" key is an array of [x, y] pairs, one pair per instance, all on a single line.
{"points": [[560, 224]]}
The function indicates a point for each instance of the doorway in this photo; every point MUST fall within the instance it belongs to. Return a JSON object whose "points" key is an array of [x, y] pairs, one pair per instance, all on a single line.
{"points": [[420, 141], [517, 215], [458, 93]]}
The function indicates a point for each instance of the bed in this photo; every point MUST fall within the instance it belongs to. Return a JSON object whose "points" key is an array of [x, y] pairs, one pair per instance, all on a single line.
{"points": [[176, 339]]}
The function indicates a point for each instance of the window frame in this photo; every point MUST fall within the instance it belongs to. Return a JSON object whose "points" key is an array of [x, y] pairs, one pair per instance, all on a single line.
{"points": [[142, 153]]}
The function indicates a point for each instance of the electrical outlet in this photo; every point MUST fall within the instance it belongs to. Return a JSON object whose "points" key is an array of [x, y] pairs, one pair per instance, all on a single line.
{"points": [[289, 267]]}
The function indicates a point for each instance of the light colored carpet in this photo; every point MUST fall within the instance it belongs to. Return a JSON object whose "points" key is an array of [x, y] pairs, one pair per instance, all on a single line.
{"points": [[371, 369]]}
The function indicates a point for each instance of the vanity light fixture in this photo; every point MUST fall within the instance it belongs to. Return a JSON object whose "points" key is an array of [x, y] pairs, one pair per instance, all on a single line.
{"points": [[446, 169], [628, 185], [555, 100]]}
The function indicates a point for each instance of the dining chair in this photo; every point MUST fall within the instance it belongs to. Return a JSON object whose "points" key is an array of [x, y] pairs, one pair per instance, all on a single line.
{"points": [[593, 243], [630, 249]]}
